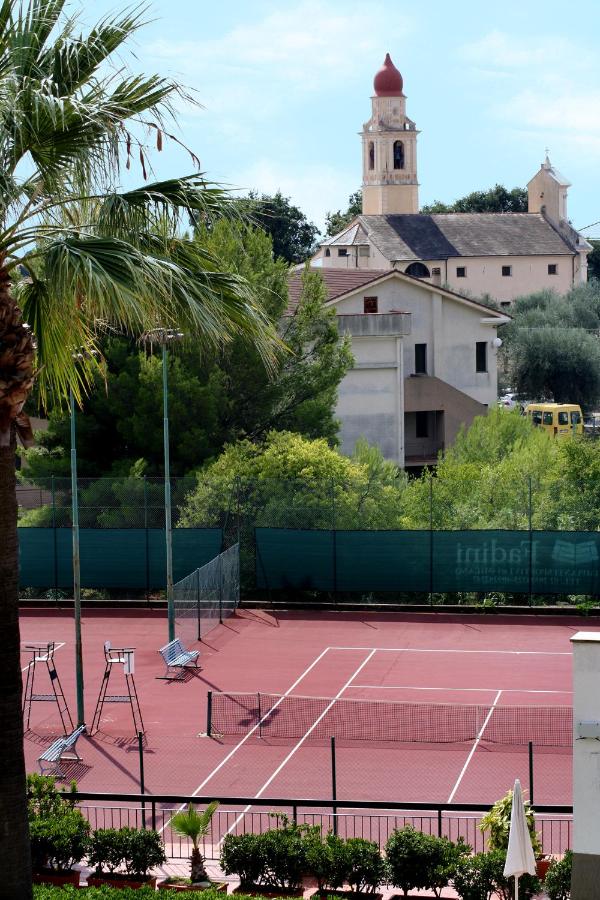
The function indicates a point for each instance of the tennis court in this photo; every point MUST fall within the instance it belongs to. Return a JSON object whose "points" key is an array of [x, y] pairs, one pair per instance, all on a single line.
{"points": [[470, 672]]}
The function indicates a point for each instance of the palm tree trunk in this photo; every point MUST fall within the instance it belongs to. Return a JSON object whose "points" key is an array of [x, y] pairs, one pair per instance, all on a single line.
{"points": [[15, 870], [198, 872], [16, 378]]}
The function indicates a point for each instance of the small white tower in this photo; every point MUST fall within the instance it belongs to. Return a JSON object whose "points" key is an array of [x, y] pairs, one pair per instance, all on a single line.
{"points": [[547, 193], [389, 141]]}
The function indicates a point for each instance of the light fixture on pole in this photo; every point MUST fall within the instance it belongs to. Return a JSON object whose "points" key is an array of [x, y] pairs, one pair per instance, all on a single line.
{"points": [[81, 354], [163, 337]]}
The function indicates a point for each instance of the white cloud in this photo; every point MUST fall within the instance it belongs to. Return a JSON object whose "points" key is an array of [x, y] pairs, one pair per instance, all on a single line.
{"points": [[306, 45], [554, 54]]}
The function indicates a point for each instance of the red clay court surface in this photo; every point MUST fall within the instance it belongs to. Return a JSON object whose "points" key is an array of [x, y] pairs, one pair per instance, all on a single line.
{"points": [[501, 660]]}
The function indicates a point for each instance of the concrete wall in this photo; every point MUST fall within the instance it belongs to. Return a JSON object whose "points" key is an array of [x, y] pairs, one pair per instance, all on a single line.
{"points": [[529, 274]]}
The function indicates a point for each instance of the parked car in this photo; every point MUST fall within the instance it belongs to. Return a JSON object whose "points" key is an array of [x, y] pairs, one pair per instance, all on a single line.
{"points": [[591, 424]]}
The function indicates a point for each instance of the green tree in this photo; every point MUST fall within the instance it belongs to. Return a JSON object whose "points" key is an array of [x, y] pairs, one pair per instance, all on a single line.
{"points": [[215, 398], [556, 363], [337, 221], [497, 199], [292, 234], [593, 259], [71, 115]]}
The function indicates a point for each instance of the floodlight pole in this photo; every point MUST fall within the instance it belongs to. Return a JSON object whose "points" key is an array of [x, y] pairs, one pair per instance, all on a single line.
{"points": [[167, 474], [76, 568]]}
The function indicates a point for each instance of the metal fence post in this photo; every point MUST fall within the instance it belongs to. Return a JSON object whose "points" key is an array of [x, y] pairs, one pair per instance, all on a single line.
{"points": [[531, 772], [439, 821], [259, 714], [153, 808], [334, 541], [142, 781], [430, 540], [530, 545], [209, 714], [198, 611], [53, 489], [147, 538], [334, 786]]}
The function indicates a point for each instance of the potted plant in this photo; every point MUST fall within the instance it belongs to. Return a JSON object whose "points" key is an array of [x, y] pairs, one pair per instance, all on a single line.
{"points": [[242, 855], [59, 833], [193, 825], [136, 850], [366, 866], [271, 864], [422, 861], [497, 822], [558, 879]]}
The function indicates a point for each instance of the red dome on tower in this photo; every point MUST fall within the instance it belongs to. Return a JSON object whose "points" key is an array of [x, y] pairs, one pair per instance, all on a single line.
{"points": [[388, 80]]}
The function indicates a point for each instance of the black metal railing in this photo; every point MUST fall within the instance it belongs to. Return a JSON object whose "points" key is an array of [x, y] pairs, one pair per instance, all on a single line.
{"points": [[374, 820]]}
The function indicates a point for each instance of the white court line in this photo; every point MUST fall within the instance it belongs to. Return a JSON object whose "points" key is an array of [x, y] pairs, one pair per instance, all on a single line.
{"points": [[490, 690], [474, 747], [298, 745], [439, 650], [251, 732], [56, 647]]}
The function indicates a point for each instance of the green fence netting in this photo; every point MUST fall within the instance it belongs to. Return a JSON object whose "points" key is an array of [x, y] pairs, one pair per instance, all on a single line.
{"points": [[121, 558], [543, 562]]}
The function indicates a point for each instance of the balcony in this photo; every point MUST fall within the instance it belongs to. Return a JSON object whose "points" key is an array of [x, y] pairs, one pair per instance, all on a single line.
{"points": [[421, 451], [375, 324]]}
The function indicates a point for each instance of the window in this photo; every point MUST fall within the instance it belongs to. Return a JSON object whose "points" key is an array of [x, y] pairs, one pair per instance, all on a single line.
{"points": [[461, 272], [417, 270], [364, 251], [398, 155], [481, 356], [370, 304], [421, 425], [436, 270], [505, 304], [371, 155], [342, 251], [327, 251], [552, 269], [563, 418], [420, 359], [575, 418], [536, 417], [506, 271], [547, 418]]}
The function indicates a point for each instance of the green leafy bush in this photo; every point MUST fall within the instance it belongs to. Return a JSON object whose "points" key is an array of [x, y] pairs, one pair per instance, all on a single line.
{"points": [[284, 854], [366, 866], [558, 878], [327, 860], [242, 855], [43, 797], [106, 850], [497, 822], [136, 849], [58, 841], [478, 877], [143, 851], [422, 861], [106, 892]]}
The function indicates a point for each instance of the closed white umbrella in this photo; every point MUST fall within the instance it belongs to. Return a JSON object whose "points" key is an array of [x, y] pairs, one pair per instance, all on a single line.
{"points": [[519, 856]]}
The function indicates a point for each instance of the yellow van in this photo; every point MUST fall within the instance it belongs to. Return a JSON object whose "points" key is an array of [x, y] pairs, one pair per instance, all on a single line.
{"points": [[559, 419]]}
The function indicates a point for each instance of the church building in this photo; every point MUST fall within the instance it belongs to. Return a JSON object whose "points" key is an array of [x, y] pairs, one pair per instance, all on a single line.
{"points": [[502, 255]]}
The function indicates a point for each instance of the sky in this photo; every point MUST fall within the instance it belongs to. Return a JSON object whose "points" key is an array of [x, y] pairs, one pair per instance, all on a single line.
{"points": [[285, 87]]}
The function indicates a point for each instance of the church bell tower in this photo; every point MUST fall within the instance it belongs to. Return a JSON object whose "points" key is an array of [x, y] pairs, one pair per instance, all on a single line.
{"points": [[389, 142]]}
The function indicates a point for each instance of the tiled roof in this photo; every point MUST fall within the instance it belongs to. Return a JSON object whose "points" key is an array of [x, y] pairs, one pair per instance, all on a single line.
{"points": [[342, 281], [337, 282], [447, 235]]}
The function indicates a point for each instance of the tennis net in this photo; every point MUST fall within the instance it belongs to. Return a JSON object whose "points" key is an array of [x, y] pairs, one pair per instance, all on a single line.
{"points": [[292, 717], [207, 596]]}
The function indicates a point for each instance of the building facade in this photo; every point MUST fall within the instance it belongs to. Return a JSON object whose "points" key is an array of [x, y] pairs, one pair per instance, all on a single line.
{"points": [[425, 361], [502, 255]]}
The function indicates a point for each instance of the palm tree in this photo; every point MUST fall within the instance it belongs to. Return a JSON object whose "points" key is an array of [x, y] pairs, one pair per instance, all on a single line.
{"points": [[194, 825], [77, 255]]}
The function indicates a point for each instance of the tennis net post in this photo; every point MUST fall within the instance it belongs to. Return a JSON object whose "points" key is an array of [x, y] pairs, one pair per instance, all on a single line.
{"points": [[209, 714]]}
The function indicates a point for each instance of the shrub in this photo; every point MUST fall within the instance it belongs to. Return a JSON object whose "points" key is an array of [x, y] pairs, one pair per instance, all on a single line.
{"points": [[497, 822], [558, 878], [327, 860], [43, 797], [106, 850], [142, 851], [417, 860], [529, 885], [477, 877], [366, 866], [284, 854], [242, 855], [58, 841]]}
